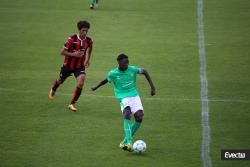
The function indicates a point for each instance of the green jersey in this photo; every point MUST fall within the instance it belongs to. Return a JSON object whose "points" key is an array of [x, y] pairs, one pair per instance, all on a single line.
{"points": [[124, 81]]}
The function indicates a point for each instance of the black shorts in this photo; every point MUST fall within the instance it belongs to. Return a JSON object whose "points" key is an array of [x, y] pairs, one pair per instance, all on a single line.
{"points": [[66, 72]]}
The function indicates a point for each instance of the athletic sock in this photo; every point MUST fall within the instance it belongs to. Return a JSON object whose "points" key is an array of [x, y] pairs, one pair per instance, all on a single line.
{"points": [[127, 130], [55, 85], [124, 141], [76, 95], [135, 127], [93, 1]]}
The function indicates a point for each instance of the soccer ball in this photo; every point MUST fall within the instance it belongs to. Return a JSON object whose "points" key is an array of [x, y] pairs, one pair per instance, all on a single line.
{"points": [[139, 146]]}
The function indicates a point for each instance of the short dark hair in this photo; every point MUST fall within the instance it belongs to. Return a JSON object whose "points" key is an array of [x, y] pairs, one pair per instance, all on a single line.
{"points": [[83, 24], [121, 57]]}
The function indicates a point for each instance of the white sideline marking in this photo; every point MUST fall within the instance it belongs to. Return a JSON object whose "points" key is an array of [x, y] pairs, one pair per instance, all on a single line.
{"points": [[145, 98], [205, 147]]}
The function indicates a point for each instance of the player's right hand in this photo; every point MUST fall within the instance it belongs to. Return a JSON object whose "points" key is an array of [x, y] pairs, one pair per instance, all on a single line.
{"points": [[152, 92], [78, 54]]}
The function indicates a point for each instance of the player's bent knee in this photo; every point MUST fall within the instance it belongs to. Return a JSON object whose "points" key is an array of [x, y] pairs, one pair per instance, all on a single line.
{"points": [[139, 115], [80, 81], [126, 113], [80, 85]]}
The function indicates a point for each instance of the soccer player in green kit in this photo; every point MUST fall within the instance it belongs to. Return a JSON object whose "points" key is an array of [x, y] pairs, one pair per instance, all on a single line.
{"points": [[124, 80]]}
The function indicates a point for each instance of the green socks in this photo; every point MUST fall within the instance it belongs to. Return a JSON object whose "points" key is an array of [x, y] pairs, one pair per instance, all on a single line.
{"points": [[130, 130], [135, 127], [127, 130], [93, 1]]}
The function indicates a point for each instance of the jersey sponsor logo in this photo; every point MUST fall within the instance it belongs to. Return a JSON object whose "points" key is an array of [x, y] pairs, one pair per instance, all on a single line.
{"points": [[127, 84]]}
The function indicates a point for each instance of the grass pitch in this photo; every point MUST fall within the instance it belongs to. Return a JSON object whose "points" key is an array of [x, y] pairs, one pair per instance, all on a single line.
{"points": [[159, 35]]}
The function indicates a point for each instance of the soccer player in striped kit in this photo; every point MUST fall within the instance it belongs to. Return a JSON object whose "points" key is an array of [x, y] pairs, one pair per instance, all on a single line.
{"points": [[77, 51]]}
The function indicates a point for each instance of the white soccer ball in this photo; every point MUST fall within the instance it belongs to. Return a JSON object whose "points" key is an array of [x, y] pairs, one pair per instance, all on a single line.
{"points": [[139, 146]]}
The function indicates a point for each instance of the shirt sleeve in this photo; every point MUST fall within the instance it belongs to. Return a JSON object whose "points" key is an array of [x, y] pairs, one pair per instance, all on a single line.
{"points": [[110, 77], [90, 43], [135, 69], [68, 43]]}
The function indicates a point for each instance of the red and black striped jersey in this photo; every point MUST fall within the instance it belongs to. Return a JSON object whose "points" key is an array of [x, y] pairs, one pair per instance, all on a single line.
{"points": [[75, 43]]}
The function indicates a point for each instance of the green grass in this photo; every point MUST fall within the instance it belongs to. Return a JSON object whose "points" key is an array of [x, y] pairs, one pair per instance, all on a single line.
{"points": [[227, 36], [159, 35]]}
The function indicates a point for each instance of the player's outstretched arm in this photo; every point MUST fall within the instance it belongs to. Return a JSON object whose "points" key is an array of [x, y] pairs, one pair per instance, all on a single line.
{"points": [[146, 74], [93, 88]]}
